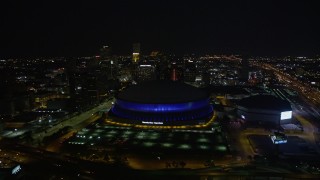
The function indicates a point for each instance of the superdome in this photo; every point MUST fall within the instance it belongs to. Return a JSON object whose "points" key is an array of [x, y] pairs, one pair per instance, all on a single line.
{"points": [[162, 92], [163, 102]]}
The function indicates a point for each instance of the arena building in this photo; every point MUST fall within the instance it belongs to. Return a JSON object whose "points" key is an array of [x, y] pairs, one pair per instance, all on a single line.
{"points": [[162, 104], [264, 110]]}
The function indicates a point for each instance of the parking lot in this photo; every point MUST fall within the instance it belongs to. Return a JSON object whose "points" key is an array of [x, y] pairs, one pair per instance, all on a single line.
{"points": [[107, 136]]}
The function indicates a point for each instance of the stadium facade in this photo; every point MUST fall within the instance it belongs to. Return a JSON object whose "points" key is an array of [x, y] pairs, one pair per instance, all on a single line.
{"points": [[162, 103], [264, 110]]}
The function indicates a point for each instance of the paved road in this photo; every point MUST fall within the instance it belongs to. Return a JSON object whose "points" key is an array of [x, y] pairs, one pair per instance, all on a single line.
{"points": [[307, 135], [57, 143], [309, 131], [74, 121]]}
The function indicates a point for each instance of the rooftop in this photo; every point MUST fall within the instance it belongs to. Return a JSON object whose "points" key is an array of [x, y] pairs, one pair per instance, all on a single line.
{"points": [[265, 102]]}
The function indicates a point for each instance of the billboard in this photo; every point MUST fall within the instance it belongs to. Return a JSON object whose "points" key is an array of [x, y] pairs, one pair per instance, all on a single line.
{"points": [[286, 115], [277, 140]]}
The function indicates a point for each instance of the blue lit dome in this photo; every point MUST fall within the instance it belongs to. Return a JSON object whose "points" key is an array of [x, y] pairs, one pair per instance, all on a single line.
{"points": [[164, 102]]}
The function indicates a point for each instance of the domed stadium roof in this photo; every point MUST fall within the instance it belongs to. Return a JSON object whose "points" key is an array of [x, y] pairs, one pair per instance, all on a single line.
{"points": [[267, 102], [162, 92]]}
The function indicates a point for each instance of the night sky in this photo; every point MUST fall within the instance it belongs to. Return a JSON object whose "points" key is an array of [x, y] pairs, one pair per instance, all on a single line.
{"points": [[80, 28]]}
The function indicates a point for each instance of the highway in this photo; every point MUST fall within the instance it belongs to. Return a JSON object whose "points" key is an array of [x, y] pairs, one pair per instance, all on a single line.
{"points": [[304, 89], [75, 122], [309, 131], [57, 143]]}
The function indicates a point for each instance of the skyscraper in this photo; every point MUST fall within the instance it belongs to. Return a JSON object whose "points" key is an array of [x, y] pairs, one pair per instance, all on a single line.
{"points": [[146, 72], [244, 71], [136, 52], [105, 52]]}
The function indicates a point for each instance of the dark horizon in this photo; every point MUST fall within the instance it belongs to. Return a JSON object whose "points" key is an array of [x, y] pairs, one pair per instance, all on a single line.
{"points": [[44, 29]]}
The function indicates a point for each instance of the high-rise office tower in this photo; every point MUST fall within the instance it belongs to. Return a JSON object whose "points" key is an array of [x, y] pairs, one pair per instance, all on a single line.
{"points": [[136, 52], [146, 72], [105, 52], [244, 71]]}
